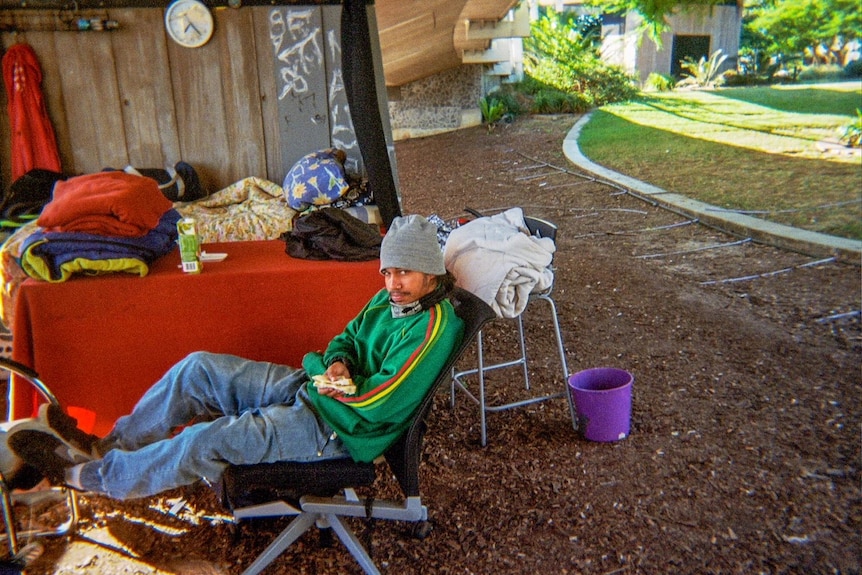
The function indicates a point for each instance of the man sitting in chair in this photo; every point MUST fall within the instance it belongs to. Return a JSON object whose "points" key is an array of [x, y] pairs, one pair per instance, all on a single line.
{"points": [[232, 410]]}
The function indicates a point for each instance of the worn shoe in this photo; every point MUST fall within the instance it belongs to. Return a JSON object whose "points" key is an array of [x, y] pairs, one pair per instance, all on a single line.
{"points": [[66, 427], [46, 452]]}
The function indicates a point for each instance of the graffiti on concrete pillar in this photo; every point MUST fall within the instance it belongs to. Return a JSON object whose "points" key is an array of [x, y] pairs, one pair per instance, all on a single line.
{"points": [[312, 101], [296, 40]]}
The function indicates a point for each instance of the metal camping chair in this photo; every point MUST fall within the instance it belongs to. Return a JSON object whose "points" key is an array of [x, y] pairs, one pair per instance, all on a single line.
{"points": [[16, 475], [542, 229], [323, 492]]}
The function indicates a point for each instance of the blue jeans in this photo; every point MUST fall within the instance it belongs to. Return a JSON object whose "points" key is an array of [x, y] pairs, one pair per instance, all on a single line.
{"points": [[242, 411]]}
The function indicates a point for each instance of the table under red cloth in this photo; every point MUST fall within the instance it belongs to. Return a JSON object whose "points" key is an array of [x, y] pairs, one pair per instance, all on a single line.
{"points": [[99, 342]]}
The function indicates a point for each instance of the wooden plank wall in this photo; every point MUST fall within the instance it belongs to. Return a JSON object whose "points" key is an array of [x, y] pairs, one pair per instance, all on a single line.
{"points": [[132, 96]]}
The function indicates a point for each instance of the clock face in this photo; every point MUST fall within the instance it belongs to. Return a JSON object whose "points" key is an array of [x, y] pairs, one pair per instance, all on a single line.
{"points": [[189, 23]]}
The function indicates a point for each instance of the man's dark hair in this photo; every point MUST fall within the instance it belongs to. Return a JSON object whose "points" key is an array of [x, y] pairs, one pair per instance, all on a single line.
{"points": [[446, 282]]}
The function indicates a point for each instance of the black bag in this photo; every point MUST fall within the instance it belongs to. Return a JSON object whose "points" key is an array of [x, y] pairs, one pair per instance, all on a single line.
{"points": [[181, 185], [333, 234], [29, 194]]}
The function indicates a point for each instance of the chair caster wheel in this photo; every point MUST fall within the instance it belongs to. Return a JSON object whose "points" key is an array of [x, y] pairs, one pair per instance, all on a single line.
{"points": [[422, 529], [325, 537]]}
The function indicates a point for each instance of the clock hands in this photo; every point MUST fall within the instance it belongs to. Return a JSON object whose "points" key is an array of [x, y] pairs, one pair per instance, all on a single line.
{"points": [[189, 25], [184, 16], [192, 26]]}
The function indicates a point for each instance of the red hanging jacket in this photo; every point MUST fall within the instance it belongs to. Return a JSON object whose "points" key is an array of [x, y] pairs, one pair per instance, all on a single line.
{"points": [[34, 144]]}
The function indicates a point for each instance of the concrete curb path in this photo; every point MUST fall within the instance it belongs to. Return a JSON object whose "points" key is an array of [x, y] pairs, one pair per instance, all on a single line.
{"points": [[810, 243]]}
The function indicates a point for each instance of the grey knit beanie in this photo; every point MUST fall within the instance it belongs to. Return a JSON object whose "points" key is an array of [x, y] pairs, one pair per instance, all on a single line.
{"points": [[411, 244]]}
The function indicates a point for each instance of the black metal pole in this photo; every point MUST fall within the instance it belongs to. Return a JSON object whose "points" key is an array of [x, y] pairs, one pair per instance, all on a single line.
{"points": [[361, 88]]}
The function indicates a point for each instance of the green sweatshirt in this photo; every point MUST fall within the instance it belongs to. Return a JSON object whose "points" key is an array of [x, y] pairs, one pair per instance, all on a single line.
{"points": [[393, 362]]}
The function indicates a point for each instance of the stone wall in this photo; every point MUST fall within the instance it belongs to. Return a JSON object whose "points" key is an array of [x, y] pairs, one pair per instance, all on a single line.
{"points": [[441, 103]]}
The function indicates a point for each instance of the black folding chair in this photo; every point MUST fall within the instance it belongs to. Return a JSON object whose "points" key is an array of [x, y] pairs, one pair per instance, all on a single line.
{"points": [[16, 477], [323, 493]]}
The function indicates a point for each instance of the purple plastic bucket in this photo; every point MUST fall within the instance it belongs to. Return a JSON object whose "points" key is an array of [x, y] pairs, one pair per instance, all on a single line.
{"points": [[603, 402]]}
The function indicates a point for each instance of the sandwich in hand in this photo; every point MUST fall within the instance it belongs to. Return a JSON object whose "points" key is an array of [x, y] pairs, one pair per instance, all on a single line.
{"points": [[344, 385]]}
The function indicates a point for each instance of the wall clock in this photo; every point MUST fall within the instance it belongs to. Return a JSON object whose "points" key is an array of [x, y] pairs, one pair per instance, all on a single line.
{"points": [[189, 23]]}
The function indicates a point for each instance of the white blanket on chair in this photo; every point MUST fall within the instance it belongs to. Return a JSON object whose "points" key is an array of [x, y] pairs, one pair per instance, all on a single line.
{"points": [[496, 259]]}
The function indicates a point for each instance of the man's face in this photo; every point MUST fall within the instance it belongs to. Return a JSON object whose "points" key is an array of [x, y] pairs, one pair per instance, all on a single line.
{"points": [[407, 286]]}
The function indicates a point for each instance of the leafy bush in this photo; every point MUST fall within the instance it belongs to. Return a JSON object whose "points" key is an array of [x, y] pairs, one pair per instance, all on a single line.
{"points": [[555, 37], [597, 83], [853, 69], [552, 101], [536, 97], [529, 86], [821, 73], [502, 106], [852, 135], [512, 104], [656, 82], [705, 72], [605, 84], [734, 79], [559, 56]]}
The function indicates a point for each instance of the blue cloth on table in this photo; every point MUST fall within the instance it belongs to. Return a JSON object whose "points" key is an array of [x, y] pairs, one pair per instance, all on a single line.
{"points": [[55, 256]]}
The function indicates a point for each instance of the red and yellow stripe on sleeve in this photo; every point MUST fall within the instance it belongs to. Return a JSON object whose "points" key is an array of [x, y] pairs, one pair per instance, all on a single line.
{"points": [[382, 391]]}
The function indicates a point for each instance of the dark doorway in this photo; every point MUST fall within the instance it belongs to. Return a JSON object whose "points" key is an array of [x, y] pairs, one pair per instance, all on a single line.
{"points": [[694, 47]]}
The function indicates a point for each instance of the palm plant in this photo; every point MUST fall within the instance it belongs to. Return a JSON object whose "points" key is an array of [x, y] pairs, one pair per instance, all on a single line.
{"points": [[705, 72], [852, 135], [492, 111]]}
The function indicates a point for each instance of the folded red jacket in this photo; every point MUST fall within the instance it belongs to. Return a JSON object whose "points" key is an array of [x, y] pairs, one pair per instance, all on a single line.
{"points": [[105, 203]]}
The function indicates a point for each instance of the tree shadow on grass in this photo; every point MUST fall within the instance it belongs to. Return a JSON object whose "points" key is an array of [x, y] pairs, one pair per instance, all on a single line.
{"points": [[801, 101]]}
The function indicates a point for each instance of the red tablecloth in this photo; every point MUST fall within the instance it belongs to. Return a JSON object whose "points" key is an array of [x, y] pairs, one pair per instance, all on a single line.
{"points": [[99, 342]]}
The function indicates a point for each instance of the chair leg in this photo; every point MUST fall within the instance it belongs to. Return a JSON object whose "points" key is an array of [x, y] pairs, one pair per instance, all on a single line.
{"points": [[352, 543], [523, 343], [290, 534], [478, 398], [480, 370], [9, 519], [562, 351], [453, 385], [298, 527]]}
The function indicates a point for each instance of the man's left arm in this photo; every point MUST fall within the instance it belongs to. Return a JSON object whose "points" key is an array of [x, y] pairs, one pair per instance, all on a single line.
{"points": [[341, 347], [408, 370]]}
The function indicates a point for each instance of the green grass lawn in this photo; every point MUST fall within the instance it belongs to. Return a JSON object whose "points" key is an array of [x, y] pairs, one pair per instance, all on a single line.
{"points": [[766, 149]]}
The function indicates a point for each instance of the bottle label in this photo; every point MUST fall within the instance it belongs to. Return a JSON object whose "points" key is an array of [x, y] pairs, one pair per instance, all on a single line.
{"points": [[190, 248]]}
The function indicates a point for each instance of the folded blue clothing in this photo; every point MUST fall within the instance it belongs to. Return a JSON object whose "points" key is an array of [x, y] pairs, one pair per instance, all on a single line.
{"points": [[55, 256]]}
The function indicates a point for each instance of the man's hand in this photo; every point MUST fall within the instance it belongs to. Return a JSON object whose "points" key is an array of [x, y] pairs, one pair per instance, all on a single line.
{"points": [[337, 371], [330, 392]]}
